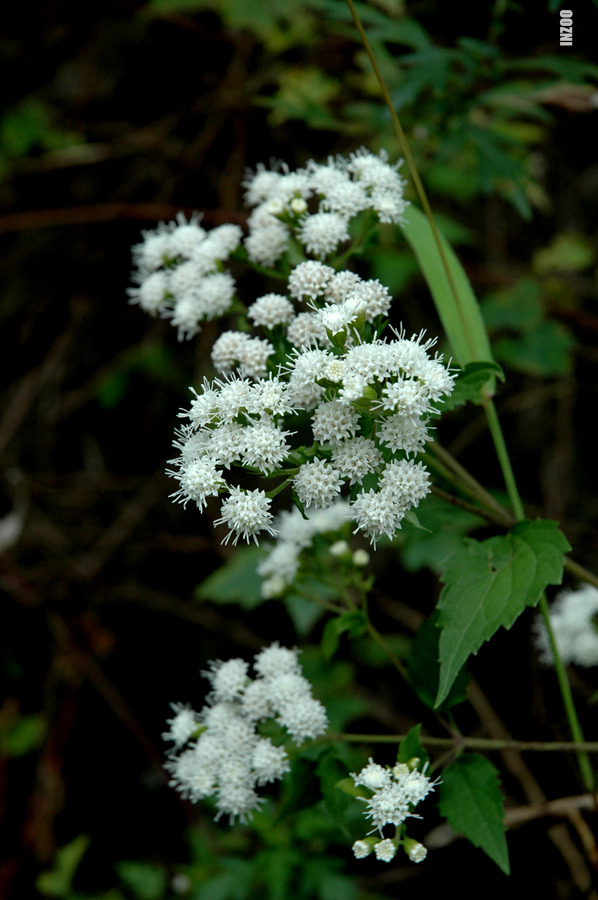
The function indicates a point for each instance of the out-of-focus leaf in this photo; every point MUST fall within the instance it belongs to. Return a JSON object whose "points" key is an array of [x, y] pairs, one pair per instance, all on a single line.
{"points": [[57, 882], [352, 623], [146, 881], [544, 351], [566, 253], [411, 747], [304, 94], [237, 581], [21, 735]]}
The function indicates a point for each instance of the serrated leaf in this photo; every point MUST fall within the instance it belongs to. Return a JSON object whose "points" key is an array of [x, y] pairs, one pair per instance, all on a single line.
{"points": [[488, 584], [424, 668], [236, 581], [472, 803]]}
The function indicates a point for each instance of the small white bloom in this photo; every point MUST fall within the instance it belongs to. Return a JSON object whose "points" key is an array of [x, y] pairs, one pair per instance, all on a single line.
{"points": [[182, 725], [339, 548], [356, 457], [385, 850], [415, 851], [322, 233], [199, 479], [267, 240], [269, 763], [333, 421], [276, 660], [303, 717], [246, 513], [271, 310], [376, 514], [373, 776], [228, 679], [306, 330], [361, 558], [308, 280], [152, 294], [317, 484], [361, 849]]}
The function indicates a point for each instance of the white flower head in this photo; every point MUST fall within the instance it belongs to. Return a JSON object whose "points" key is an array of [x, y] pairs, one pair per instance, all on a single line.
{"points": [[229, 759], [247, 513], [394, 793], [574, 617], [323, 232], [182, 726]]}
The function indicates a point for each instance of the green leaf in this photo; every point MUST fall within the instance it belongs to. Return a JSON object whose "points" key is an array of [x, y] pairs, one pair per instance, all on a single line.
{"points": [[304, 788], [488, 584], [146, 881], [235, 582], [545, 351], [57, 882], [303, 612], [462, 320], [472, 803], [413, 519], [411, 747], [519, 308], [469, 384], [445, 525], [352, 622], [424, 668], [348, 786], [21, 735], [332, 770]]}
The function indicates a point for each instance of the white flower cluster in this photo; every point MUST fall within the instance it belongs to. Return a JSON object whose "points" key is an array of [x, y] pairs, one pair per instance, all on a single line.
{"points": [[180, 268], [219, 750], [179, 273], [369, 405], [392, 795], [574, 620], [315, 205], [316, 364], [295, 533]]}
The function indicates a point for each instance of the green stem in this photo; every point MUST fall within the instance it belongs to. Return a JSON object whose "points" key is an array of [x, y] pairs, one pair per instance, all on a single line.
{"points": [[503, 457], [561, 674], [454, 472], [471, 742]]}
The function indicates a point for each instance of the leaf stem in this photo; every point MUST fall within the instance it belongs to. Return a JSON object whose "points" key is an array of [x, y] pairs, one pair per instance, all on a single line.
{"points": [[419, 188], [473, 743]]}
